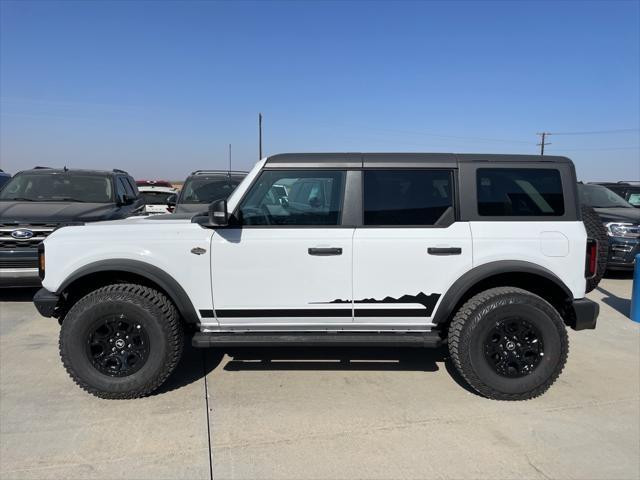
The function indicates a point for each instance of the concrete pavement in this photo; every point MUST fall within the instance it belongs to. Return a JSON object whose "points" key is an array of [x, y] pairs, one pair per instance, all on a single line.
{"points": [[347, 413]]}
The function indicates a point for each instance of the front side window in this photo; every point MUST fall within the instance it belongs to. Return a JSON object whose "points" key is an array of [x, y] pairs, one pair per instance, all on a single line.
{"points": [[58, 187], [519, 192], [407, 197], [305, 198]]}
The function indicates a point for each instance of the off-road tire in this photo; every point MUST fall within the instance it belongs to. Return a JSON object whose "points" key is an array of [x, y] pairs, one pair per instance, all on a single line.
{"points": [[152, 310], [471, 324], [596, 231]]}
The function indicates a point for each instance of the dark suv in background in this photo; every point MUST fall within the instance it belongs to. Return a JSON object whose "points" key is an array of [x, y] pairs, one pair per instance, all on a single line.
{"points": [[36, 202], [203, 187], [621, 221]]}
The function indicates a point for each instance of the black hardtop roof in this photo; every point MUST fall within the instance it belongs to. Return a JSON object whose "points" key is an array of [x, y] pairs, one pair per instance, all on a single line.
{"points": [[354, 159]]}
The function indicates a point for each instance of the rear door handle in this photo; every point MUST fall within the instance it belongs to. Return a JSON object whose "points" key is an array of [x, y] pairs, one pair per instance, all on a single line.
{"points": [[325, 251], [444, 250]]}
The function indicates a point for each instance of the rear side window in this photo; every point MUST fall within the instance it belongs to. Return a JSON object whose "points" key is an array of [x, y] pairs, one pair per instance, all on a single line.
{"points": [[407, 197], [519, 192]]}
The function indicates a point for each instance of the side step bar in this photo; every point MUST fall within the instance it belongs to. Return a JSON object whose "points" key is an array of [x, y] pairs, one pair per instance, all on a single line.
{"points": [[345, 339]]}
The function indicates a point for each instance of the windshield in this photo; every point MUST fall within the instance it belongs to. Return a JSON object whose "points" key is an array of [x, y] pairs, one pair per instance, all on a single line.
{"points": [[58, 187], [208, 189], [156, 198], [598, 196]]}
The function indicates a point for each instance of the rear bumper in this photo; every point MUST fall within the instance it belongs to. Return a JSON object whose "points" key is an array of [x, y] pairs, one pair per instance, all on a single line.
{"points": [[46, 302], [586, 314]]}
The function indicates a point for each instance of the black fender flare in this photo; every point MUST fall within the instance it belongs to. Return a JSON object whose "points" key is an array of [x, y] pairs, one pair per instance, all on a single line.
{"points": [[152, 273], [482, 272]]}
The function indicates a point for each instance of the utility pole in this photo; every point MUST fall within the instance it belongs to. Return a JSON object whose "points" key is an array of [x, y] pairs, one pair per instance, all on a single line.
{"points": [[542, 142], [229, 157], [259, 136]]}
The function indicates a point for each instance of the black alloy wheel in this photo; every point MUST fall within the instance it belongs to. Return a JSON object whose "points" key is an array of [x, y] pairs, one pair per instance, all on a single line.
{"points": [[514, 348], [118, 346]]}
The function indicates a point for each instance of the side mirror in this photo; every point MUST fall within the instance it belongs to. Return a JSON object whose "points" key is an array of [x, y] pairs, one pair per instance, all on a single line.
{"points": [[125, 200], [218, 215]]}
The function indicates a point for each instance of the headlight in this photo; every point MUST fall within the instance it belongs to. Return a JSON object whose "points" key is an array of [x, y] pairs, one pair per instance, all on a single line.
{"points": [[624, 230], [41, 260]]}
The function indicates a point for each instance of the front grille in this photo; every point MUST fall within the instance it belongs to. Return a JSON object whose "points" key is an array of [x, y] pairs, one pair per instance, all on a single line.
{"points": [[40, 232], [19, 263]]}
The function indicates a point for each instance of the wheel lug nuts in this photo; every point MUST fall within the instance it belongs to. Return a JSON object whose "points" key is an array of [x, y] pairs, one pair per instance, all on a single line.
{"points": [[129, 345], [113, 349], [122, 352]]}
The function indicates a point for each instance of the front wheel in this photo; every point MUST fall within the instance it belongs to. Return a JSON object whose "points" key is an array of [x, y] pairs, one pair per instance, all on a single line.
{"points": [[121, 341], [508, 344]]}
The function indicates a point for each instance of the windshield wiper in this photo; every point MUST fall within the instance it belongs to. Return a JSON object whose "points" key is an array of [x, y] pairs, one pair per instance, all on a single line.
{"points": [[19, 199], [69, 199]]}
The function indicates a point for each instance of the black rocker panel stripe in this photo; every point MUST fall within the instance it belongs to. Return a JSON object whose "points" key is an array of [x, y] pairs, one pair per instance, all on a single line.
{"points": [[317, 312], [391, 312], [429, 302], [359, 312]]}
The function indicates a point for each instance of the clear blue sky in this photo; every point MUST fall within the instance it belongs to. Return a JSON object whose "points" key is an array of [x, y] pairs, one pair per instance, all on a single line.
{"points": [[161, 88]]}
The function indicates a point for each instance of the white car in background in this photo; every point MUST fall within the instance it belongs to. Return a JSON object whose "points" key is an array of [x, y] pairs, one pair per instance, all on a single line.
{"points": [[155, 198]]}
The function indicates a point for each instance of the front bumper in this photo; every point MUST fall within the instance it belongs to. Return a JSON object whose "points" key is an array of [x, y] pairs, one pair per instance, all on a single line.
{"points": [[19, 268], [622, 252], [586, 314], [46, 302]]}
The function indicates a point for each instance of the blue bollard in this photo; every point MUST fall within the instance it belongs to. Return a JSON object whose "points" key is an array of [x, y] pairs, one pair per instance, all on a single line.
{"points": [[635, 292]]}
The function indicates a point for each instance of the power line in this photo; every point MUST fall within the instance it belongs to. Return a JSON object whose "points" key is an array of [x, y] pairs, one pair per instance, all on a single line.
{"points": [[600, 132], [595, 149]]}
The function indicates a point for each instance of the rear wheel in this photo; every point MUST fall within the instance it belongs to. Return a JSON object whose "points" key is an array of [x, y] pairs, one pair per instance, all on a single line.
{"points": [[121, 341], [508, 344]]}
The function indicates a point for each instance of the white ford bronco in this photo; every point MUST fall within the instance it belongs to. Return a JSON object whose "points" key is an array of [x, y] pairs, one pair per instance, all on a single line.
{"points": [[487, 254]]}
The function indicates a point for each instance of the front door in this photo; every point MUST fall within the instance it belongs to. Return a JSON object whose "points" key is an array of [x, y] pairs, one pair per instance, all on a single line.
{"points": [[409, 250], [286, 262]]}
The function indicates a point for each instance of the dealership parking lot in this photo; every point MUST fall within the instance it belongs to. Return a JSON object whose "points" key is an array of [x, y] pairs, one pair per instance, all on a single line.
{"points": [[348, 413]]}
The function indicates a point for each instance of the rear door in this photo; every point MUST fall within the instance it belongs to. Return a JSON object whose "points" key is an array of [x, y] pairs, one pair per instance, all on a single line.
{"points": [[410, 248]]}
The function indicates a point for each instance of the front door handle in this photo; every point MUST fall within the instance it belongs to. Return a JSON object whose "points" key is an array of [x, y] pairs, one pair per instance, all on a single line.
{"points": [[325, 251], [444, 250]]}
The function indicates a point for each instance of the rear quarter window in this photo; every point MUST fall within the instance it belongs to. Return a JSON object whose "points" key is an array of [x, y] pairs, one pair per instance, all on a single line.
{"points": [[519, 192]]}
